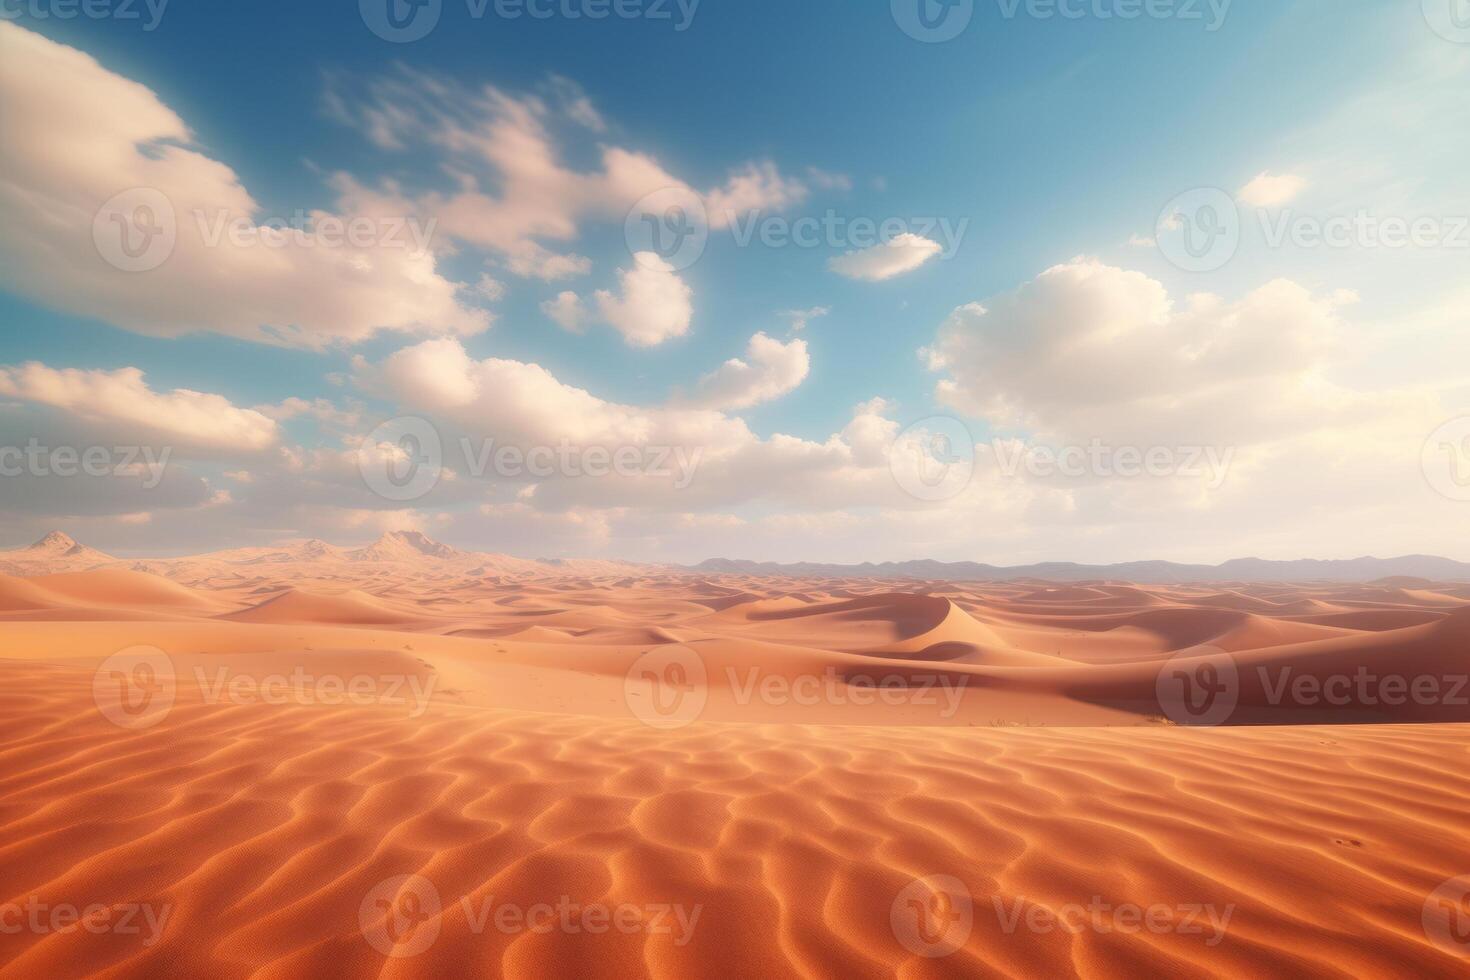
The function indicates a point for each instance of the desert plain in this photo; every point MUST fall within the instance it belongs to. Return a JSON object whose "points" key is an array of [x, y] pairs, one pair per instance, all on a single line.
{"points": [[408, 761]]}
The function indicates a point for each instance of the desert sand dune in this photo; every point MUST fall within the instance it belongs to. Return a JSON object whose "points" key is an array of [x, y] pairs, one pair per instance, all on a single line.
{"points": [[261, 830], [120, 587], [348, 608], [830, 747]]}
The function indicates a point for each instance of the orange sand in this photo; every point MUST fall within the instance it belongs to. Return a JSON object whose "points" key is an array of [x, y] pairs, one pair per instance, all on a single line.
{"points": [[528, 762]]}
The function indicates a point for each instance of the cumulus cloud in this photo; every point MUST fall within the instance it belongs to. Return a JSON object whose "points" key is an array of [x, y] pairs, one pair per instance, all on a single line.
{"points": [[78, 135], [514, 195], [903, 254], [1267, 190], [1088, 349], [652, 305], [758, 187], [122, 401], [525, 405], [769, 370], [566, 311]]}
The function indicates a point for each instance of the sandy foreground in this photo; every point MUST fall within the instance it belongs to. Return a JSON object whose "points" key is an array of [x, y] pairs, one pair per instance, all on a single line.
{"points": [[316, 768]]}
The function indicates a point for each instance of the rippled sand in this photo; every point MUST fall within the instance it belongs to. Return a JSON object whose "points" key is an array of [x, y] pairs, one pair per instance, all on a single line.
{"points": [[506, 811]]}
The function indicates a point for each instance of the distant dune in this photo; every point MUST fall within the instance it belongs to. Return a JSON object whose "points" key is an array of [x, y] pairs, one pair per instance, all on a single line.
{"points": [[313, 760], [1416, 567], [398, 548]]}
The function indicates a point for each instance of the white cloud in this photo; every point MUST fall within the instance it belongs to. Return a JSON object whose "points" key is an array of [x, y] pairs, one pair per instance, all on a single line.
{"points": [[801, 318], [759, 187], [576, 104], [1087, 349], [827, 180], [320, 409], [567, 311], [903, 254], [525, 405], [492, 139], [653, 304], [490, 288], [769, 370], [1267, 190], [121, 401], [530, 261], [77, 135]]}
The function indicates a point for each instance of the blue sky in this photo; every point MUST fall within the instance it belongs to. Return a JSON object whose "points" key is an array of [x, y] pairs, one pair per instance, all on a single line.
{"points": [[1054, 142]]}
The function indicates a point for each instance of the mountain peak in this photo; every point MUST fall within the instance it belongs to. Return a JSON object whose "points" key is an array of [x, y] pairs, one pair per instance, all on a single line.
{"points": [[59, 544], [57, 541], [399, 545]]}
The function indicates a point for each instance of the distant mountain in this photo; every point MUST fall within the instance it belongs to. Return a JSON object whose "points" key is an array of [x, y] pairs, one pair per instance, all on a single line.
{"points": [[57, 545], [1160, 572], [58, 552], [404, 546]]}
